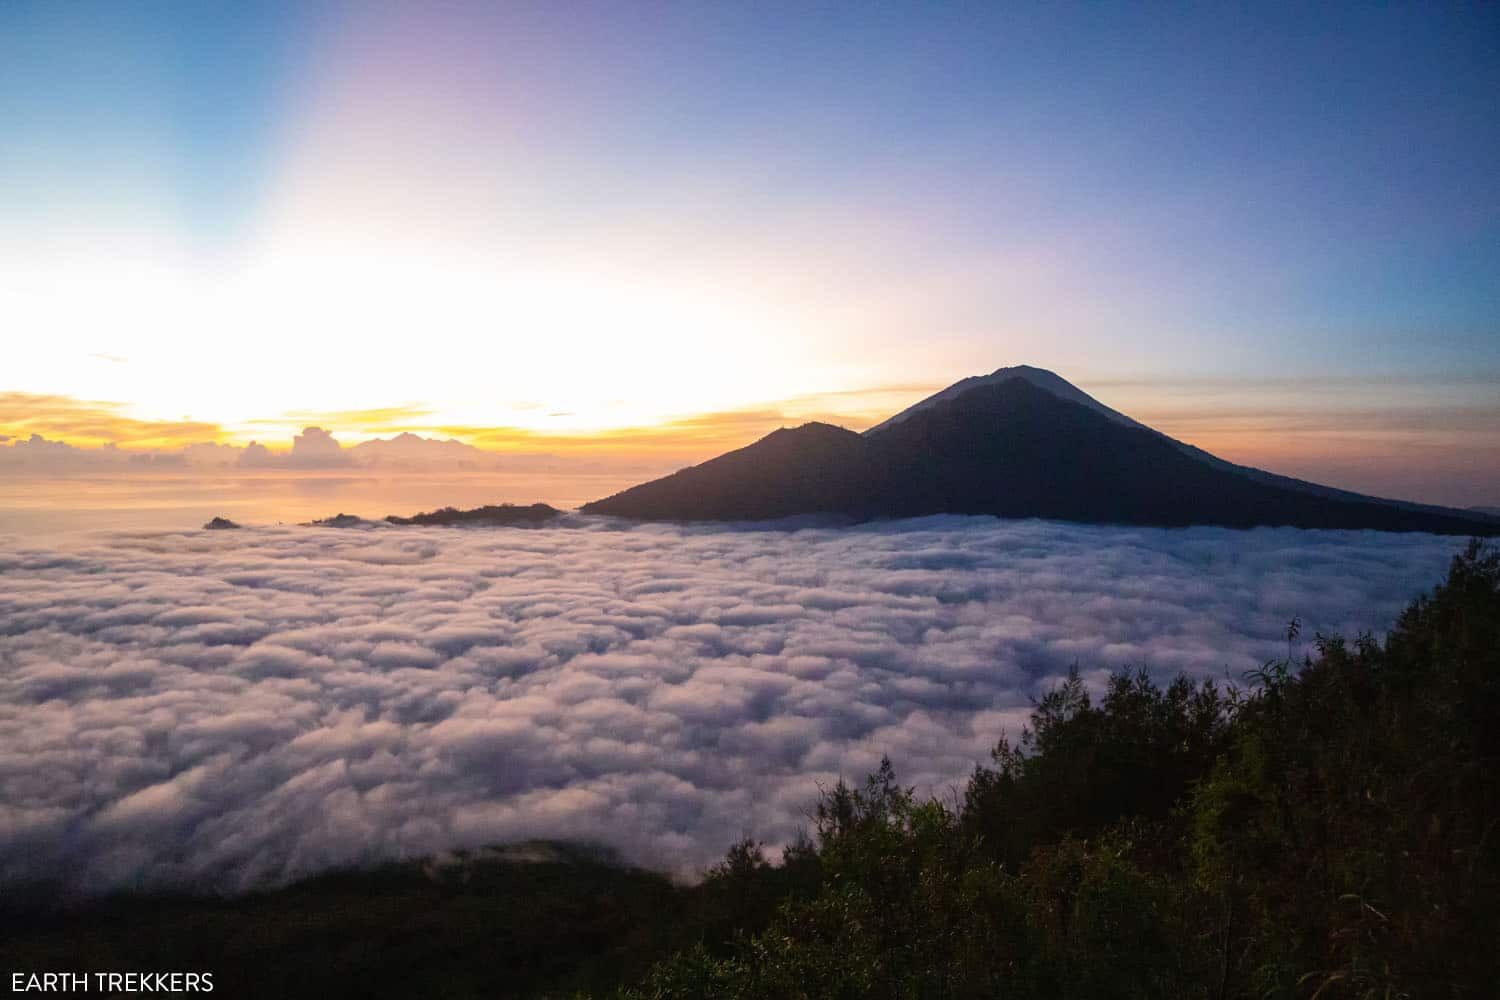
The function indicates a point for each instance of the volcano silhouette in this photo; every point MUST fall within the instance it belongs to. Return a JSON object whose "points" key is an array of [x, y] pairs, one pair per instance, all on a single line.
{"points": [[1021, 442]]}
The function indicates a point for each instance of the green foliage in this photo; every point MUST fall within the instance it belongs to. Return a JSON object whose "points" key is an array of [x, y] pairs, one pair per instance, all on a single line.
{"points": [[1331, 832], [1081, 768], [1353, 822]]}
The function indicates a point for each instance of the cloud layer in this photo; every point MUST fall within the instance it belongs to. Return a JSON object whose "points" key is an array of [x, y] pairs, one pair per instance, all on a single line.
{"points": [[315, 448], [228, 709]]}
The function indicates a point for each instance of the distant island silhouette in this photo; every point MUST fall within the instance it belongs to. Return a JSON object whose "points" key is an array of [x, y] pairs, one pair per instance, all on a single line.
{"points": [[1020, 442], [501, 515]]}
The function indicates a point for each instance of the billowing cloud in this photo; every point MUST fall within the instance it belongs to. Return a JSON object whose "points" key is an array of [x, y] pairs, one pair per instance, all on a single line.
{"points": [[314, 448], [227, 709], [38, 454]]}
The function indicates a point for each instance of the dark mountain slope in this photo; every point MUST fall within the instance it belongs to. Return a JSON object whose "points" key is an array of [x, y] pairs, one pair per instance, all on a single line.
{"points": [[1063, 389], [1015, 450], [1011, 448], [812, 469]]}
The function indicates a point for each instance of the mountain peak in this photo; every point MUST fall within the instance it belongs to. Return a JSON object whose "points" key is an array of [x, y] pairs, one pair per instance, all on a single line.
{"points": [[1042, 378], [1025, 371], [1019, 442]]}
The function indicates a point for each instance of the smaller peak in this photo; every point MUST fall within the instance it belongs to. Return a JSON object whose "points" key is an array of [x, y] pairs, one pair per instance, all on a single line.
{"points": [[811, 427], [814, 431]]}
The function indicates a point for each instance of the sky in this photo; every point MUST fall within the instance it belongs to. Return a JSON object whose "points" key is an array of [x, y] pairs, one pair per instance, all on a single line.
{"points": [[665, 229]]}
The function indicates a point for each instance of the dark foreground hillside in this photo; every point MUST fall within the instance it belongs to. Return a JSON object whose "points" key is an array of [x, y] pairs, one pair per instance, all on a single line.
{"points": [[530, 919], [1328, 831]]}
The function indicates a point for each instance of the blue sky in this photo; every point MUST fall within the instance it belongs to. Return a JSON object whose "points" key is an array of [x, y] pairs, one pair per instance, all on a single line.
{"points": [[762, 201]]}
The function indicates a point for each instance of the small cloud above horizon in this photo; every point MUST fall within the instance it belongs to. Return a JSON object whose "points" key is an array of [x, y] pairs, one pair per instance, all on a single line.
{"points": [[363, 422]]}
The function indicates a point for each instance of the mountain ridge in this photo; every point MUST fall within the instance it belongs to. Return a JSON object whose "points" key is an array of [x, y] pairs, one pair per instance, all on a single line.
{"points": [[1021, 442], [1050, 381]]}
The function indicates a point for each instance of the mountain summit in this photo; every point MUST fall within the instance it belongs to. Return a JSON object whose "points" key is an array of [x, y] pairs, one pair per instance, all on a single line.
{"points": [[1020, 442], [1039, 377]]}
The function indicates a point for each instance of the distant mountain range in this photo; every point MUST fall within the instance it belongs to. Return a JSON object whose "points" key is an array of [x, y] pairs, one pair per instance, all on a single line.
{"points": [[1020, 442], [407, 449]]}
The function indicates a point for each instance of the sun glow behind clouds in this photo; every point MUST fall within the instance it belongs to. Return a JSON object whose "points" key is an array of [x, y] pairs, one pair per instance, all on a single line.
{"points": [[350, 326], [407, 238]]}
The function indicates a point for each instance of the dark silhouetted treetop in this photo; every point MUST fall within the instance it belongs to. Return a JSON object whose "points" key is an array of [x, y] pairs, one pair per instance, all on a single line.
{"points": [[495, 514]]}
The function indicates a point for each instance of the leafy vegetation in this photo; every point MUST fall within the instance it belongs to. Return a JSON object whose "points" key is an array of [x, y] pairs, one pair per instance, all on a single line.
{"points": [[1327, 832]]}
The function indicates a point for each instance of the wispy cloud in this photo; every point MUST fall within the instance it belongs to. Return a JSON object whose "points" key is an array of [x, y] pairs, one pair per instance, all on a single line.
{"points": [[1434, 438], [93, 423], [406, 417], [688, 439]]}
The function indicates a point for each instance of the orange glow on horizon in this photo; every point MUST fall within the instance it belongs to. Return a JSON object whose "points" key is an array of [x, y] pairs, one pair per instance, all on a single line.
{"points": [[1337, 438], [95, 424]]}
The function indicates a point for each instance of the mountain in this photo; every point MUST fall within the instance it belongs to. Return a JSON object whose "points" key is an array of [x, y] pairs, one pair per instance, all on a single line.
{"points": [[812, 469], [1039, 377], [407, 450], [1021, 442]]}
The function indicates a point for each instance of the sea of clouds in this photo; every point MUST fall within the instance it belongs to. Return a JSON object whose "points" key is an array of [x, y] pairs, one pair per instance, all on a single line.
{"points": [[230, 709]]}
